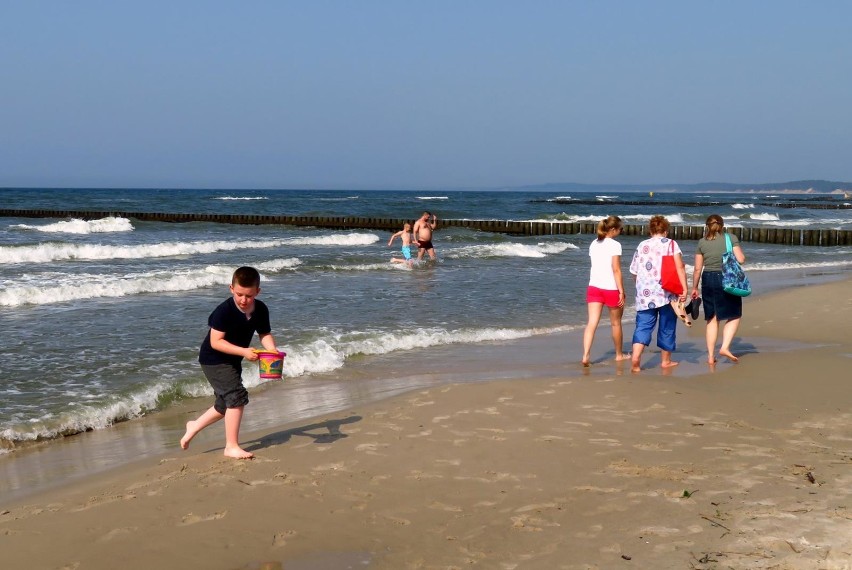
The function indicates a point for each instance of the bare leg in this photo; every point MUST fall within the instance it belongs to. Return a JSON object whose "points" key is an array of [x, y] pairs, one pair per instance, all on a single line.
{"points": [[712, 333], [209, 417], [729, 331], [615, 314], [666, 359], [595, 310], [233, 418], [636, 357]]}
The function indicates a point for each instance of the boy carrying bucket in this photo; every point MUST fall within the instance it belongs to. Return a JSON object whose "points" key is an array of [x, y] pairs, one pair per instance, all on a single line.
{"points": [[232, 326]]}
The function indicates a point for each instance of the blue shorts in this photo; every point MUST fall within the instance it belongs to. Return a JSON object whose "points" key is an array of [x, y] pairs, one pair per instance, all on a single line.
{"points": [[406, 252], [646, 321]]}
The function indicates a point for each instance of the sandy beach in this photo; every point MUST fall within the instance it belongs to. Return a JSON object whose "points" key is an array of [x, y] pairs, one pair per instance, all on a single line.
{"points": [[749, 466]]}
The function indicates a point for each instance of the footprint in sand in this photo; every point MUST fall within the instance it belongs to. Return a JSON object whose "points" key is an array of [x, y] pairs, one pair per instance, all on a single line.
{"points": [[117, 532], [280, 538], [193, 518]]}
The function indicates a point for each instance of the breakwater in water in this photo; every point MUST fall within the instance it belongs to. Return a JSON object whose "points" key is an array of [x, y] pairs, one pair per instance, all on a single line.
{"points": [[776, 235]]}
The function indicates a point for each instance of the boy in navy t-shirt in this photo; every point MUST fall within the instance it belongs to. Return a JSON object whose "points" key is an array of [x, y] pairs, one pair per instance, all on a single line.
{"points": [[232, 326]]}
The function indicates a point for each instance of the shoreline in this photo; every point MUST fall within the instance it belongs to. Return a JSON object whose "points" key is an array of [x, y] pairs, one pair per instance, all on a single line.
{"points": [[39, 466], [745, 467]]}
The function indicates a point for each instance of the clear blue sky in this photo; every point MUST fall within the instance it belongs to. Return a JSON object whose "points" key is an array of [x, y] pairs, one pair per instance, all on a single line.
{"points": [[395, 94]]}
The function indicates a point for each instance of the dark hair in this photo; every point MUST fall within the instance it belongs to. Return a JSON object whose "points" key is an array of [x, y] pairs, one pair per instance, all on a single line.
{"points": [[607, 224], [246, 277], [658, 225], [714, 224]]}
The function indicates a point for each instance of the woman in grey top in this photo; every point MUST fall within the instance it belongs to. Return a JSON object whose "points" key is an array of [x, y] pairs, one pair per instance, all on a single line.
{"points": [[718, 305]]}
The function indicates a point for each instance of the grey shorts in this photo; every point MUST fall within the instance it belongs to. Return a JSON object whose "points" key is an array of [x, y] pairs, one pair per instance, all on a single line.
{"points": [[227, 384]]}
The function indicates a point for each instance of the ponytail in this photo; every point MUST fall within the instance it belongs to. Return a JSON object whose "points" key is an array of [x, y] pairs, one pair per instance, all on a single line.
{"points": [[714, 225], [608, 224]]}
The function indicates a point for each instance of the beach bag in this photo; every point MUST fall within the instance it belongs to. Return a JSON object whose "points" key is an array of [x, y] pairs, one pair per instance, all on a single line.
{"points": [[669, 279], [734, 280]]}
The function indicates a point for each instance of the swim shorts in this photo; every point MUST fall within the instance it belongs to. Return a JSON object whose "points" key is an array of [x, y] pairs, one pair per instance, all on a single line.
{"points": [[406, 252], [425, 244]]}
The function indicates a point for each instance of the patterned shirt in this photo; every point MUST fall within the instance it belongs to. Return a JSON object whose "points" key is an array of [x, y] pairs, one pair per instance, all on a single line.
{"points": [[646, 266]]}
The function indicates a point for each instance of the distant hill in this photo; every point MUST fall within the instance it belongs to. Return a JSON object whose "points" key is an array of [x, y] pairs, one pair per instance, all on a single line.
{"points": [[795, 187]]}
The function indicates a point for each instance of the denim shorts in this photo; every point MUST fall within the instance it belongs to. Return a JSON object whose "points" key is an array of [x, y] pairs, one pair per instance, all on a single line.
{"points": [[646, 321]]}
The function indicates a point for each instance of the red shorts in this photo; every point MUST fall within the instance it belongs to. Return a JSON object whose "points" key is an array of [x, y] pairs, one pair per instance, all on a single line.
{"points": [[608, 297]]}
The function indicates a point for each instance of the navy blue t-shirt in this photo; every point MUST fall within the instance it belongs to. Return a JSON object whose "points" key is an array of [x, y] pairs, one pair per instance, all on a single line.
{"points": [[237, 328]]}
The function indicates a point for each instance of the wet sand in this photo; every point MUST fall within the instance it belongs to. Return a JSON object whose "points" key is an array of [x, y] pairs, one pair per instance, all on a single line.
{"points": [[545, 467]]}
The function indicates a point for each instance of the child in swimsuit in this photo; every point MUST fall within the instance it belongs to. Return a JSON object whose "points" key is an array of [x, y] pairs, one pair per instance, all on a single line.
{"points": [[406, 237]]}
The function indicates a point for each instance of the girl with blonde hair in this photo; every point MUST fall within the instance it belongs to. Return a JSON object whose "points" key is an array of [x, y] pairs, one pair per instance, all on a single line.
{"points": [[606, 287]]}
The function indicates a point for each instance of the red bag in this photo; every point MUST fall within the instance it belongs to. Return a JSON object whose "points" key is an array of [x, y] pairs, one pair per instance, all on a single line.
{"points": [[669, 278]]}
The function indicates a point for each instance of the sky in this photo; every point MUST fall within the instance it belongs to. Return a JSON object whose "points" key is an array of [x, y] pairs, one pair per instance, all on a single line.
{"points": [[412, 95]]}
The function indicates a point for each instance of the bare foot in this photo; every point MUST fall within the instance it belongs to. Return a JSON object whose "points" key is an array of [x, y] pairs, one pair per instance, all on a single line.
{"points": [[238, 453], [620, 357], [727, 354], [634, 366], [586, 363], [669, 364], [187, 437]]}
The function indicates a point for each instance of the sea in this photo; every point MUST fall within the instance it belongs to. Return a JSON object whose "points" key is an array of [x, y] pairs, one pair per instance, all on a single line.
{"points": [[101, 319]]}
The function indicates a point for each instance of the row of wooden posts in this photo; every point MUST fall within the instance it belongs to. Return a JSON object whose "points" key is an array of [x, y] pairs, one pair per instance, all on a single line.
{"points": [[781, 236]]}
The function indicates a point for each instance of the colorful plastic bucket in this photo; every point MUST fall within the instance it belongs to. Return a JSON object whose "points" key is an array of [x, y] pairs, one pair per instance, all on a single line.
{"points": [[271, 364]]}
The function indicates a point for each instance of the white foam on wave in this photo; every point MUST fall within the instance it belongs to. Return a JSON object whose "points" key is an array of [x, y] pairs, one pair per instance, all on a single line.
{"points": [[336, 239], [241, 198], [555, 198], [323, 355], [510, 249], [742, 206], [433, 197], [764, 217], [330, 353], [59, 288], [605, 197], [76, 226], [49, 252], [87, 417], [796, 265]]}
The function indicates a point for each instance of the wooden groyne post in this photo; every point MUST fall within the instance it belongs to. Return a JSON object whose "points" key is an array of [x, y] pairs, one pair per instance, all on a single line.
{"points": [[776, 235]]}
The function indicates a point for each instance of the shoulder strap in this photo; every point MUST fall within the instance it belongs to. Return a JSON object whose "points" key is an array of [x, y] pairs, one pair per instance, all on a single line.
{"points": [[728, 243]]}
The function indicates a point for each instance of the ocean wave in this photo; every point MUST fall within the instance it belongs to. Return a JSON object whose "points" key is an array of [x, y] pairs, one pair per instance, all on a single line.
{"points": [[330, 353], [76, 226], [336, 239], [557, 198], [595, 218], [60, 288], [241, 198], [796, 265], [49, 252], [605, 197], [509, 250], [322, 355], [433, 197], [763, 217], [742, 206]]}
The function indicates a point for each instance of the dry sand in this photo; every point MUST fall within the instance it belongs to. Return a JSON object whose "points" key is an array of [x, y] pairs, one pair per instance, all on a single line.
{"points": [[747, 467]]}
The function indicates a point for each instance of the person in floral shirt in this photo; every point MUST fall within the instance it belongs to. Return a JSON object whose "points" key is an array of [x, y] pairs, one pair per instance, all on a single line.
{"points": [[653, 303]]}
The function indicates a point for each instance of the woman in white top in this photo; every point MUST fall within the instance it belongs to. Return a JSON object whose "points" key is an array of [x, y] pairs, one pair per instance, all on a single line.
{"points": [[605, 287]]}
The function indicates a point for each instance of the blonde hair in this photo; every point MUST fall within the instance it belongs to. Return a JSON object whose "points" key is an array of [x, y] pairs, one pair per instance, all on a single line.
{"points": [[608, 224], [658, 225], [713, 226]]}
